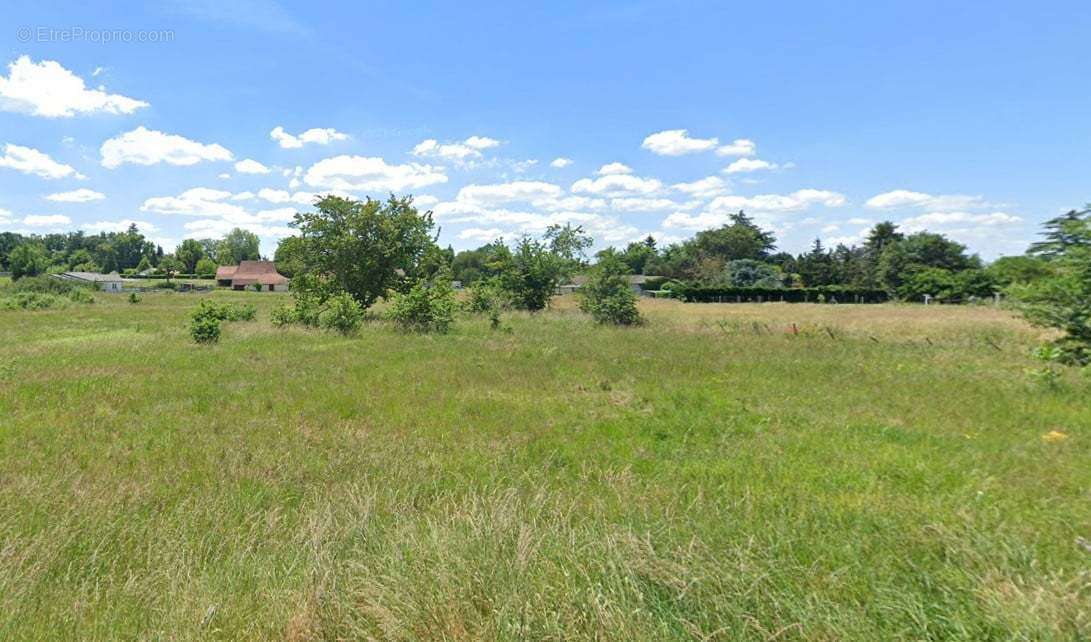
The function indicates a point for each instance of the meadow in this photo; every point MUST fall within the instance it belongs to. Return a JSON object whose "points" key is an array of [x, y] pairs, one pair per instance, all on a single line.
{"points": [[723, 472]]}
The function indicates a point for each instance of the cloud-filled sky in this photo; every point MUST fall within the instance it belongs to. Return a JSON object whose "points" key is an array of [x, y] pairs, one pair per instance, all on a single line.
{"points": [[819, 119]]}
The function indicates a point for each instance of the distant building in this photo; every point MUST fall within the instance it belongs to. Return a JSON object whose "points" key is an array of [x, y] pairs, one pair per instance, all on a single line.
{"points": [[252, 274], [636, 282], [104, 282]]}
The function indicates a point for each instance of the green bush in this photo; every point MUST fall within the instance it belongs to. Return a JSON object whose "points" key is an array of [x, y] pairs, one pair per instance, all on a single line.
{"points": [[81, 295], [426, 307], [205, 329], [607, 295], [134, 297], [343, 314], [45, 284], [240, 312], [31, 301], [485, 297], [282, 316]]}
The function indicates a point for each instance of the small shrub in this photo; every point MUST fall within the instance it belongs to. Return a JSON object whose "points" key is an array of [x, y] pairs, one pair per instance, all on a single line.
{"points": [[134, 298], [31, 301], [205, 329], [240, 312], [81, 295], [343, 314], [426, 307], [44, 284], [166, 285], [485, 297], [607, 295], [283, 316], [307, 309]]}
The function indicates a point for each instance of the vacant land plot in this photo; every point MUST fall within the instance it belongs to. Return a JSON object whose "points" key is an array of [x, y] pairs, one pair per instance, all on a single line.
{"points": [[725, 472]]}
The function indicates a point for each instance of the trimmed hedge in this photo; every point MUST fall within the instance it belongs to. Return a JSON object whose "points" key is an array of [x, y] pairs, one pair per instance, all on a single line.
{"points": [[825, 294]]}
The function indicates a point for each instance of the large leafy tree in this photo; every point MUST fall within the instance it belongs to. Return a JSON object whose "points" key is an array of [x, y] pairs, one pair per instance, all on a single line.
{"points": [[240, 245], [901, 259], [189, 252], [28, 259], [364, 248], [739, 239]]}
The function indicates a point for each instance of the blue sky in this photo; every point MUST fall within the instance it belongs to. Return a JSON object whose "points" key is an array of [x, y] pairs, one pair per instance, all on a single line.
{"points": [[818, 118]]}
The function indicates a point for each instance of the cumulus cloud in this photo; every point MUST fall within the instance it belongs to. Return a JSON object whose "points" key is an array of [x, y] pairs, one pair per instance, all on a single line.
{"points": [[143, 146], [278, 196], [901, 198], [31, 161], [371, 174], [613, 169], [251, 166], [746, 165], [617, 185], [48, 89], [722, 207], [637, 204], [119, 226], [46, 220], [82, 195], [738, 147], [708, 187], [947, 219], [481, 235], [561, 163], [316, 135], [198, 201], [676, 142], [457, 151], [515, 191]]}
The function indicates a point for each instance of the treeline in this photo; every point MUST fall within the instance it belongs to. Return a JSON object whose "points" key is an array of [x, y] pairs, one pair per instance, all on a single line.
{"points": [[127, 252], [741, 254]]}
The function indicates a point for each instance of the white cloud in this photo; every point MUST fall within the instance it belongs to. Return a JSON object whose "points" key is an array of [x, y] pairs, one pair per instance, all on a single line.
{"points": [[47, 220], [424, 201], [317, 136], [905, 198], [859, 221], [48, 89], [251, 166], [198, 201], [738, 147], [617, 185], [143, 146], [561, 163], [457, 151], [360, 173], [637, 204], [5, 216], [481, 142], [32, 161], [948, 219], [516, 191], [704, 188], [745, 165], [119, 226], [613, 169], [520, 167], [278, 196], [481, 235], [722, 207], [676, 142], [82, 195], [225, 176], [243, 196]]}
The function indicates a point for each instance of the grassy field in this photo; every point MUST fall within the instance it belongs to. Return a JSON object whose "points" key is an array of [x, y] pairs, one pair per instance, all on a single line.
{"points": [[880, 472]]}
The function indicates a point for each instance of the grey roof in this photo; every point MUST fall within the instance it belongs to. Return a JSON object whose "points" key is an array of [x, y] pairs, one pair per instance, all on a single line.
{"points": [[93, 277]]}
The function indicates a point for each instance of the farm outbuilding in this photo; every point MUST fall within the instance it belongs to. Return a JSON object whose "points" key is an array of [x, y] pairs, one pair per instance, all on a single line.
{"points": [[261, 275], [104, 282]]}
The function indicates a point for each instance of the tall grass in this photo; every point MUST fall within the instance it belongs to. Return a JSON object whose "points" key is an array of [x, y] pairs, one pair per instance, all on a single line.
{"points": [[724, 472]]}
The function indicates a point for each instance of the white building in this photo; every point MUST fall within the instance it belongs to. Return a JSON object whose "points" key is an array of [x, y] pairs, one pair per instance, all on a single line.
{"points": [[103, 282]]}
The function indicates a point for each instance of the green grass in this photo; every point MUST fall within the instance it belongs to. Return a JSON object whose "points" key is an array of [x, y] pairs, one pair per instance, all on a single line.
{"points": [[879, 474]]}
